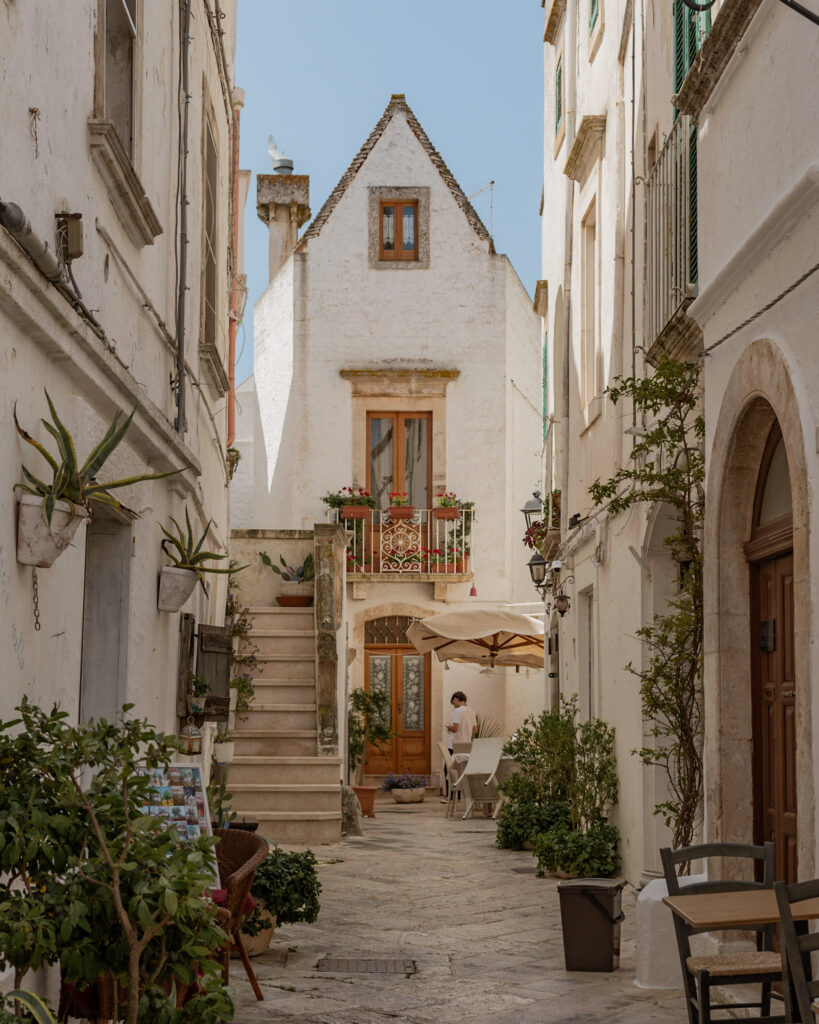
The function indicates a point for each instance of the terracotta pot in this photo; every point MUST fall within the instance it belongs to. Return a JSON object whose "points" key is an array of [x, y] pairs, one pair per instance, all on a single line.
{"points": [[255, 945], [402, 511], [446, 513], [283, 601], [354, 511], [366, 797], [408, 796], [295, 595], [38, 543], [458, 567], [175, 587]]}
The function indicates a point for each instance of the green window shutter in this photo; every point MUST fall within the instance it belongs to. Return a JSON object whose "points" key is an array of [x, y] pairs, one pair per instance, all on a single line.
{"points": [[692, 203], [545, 378], [594, 10], [680, 50], [558, 95]]}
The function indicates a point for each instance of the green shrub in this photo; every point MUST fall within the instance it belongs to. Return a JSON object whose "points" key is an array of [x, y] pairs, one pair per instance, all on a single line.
{"points": [[519, 823], [543, 748], [588, 855], [288, 885]]}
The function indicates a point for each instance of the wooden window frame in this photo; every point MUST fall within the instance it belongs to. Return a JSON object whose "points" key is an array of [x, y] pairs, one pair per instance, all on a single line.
{"points": [[399, 254], [398, 448]]}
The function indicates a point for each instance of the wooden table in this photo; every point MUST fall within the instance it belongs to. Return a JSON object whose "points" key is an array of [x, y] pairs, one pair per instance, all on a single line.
{"points": [[713, 910]]}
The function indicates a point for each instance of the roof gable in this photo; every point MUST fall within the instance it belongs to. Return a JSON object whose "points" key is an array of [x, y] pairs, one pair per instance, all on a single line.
{"points": [[398, 105]]}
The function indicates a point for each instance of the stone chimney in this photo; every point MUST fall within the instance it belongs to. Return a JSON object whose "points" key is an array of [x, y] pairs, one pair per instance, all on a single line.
{"points": [[283, 203]]}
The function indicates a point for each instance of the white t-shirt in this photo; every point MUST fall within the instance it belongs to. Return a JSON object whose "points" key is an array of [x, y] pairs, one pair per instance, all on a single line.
{"points": [[464, 718]]}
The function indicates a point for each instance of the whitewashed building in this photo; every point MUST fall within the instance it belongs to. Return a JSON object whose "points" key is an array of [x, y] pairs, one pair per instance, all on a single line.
{"points": [[395, 350], [119, 123]]}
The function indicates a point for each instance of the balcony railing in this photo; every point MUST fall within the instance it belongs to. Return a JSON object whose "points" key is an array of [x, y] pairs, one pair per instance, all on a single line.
{"points": [[408, 542], [672, 228]]}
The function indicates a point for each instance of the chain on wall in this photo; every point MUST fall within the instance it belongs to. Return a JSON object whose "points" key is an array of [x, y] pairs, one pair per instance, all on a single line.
{"points": [[35, 599]]}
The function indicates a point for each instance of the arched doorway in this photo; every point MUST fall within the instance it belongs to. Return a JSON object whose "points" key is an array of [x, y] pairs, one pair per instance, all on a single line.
{"points": [[393, 666], [773, 664]]}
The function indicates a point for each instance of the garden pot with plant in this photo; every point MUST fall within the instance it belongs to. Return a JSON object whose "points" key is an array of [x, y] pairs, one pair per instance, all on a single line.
{"points": [[297, 581], [447, 506], [199, 689], [286, 889], [176, 582], [50, 514], [405, 788], [350, 502], [367, 726], [224, 747], [400, 507]]}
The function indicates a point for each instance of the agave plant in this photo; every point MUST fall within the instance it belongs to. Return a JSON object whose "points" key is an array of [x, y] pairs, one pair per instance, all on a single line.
{"points": [[303, 573], [74, 482], [33, 1004], [185, 553]]}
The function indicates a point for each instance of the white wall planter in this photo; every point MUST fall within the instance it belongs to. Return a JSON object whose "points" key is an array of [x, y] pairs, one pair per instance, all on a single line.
{"points": [[175, 587], [38, 543], [224, 752]]}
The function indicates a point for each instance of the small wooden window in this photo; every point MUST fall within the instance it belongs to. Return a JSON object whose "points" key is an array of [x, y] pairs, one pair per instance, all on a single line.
{"points": [[120, 37], [399, 230]]}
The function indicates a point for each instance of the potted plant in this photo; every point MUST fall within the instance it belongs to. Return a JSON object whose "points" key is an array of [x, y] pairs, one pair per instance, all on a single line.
{"points": [[405, 788], [199, 689], [400, 507], [351, 502], [224, 747], [176, 582], [297, 582], [286, 889], [367, 725], [447, 505], [49, 514]]}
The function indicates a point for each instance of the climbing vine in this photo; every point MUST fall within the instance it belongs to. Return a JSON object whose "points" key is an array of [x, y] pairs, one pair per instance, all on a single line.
{"points": [[667, 468]]}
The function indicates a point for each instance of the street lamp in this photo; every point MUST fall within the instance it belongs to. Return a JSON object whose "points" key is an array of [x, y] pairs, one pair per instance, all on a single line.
{"points": [[537, 570], [533, 509]]}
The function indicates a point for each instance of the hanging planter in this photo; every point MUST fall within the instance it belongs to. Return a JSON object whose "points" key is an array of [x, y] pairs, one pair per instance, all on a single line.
{"points": [[175, 587], [402, 511], [224, 751], [446, 513], [39, 543], [354, 511]]}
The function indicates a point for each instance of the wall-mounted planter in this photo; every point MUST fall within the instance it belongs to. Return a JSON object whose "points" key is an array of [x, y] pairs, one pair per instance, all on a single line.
{"points": [[175, 587], [354, 511], [196, 705], [224, 752], [446, 512], [295, 595], [38, 543], [402, 511]]}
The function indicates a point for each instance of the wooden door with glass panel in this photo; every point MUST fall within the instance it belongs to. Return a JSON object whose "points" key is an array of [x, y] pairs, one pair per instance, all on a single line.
{"points": [[399, 671]]}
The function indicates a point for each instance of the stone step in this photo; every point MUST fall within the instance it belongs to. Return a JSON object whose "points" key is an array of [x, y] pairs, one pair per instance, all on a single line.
{"points": [[265, 617], [282, 641], [276, 742], [299, 828], [284, 666], [276, 716], [285, 770], [247, 798], [284, 691]]}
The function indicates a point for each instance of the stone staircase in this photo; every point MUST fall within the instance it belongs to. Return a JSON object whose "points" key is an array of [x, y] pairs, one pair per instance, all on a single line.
{"points": [[277, 776]]}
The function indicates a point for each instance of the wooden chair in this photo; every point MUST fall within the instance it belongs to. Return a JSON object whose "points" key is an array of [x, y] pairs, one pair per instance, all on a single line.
{"points": [[238, 854], [702, 973], [797, 942]]}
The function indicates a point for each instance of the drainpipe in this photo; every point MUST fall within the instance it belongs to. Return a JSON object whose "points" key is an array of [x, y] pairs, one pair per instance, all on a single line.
{"points": [[181, 425], [238, 103], [19, 227]]}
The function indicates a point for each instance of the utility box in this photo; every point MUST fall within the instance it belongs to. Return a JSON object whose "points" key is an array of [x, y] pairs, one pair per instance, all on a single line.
{"points": [[591, 916]]}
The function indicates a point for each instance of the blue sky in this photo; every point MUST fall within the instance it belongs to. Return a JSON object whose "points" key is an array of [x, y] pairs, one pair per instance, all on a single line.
{"points": [[318, 74]]}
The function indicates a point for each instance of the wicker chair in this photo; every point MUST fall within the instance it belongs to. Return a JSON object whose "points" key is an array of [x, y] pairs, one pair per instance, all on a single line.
{"points": [[238, 854]]}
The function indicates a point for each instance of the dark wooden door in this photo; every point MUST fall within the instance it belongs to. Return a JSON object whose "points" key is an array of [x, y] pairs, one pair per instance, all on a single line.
{"points": [[775, 712], [403, 674]]}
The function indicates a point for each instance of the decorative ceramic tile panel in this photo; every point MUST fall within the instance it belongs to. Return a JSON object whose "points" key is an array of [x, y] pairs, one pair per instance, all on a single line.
{"points": [[381, 680], [413, 691]]}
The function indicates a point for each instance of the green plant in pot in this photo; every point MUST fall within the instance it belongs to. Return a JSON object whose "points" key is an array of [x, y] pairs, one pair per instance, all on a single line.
{"points": [[176, 582], [405, 788], [51, 512], [286, 889], [368, 725], [297, 581], [198, 689]]}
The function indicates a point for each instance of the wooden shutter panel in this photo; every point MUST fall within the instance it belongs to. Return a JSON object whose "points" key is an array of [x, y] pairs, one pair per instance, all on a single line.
{"points": [[213, 664], [187, 625]]}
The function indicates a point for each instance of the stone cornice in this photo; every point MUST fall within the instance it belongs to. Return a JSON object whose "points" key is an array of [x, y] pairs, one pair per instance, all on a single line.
{"points": [[730, 25], [130, 202], [590, 136], [556, 13], [395, 381], [680, 339]]}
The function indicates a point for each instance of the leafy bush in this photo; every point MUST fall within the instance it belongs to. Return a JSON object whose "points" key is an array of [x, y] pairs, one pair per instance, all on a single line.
{"points": [[519, 823], [288, 885], [591, 854], [543, 748]]}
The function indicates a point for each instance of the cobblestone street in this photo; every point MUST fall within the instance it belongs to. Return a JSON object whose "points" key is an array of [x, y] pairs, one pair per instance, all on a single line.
{"points": [[482, 930]]}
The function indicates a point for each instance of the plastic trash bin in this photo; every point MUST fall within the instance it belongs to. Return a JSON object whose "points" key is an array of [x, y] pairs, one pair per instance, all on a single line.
{"points": [[590, 914]]}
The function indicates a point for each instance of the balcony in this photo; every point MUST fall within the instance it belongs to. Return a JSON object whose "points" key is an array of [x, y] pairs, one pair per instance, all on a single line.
{"points": [[671, 245], [408, 544]]}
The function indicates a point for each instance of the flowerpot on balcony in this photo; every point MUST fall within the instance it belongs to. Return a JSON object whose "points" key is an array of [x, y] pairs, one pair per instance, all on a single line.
{"points": [[38, 543], [175, 587], [295, 595], [402, 511], [446, 513], [366, 797], [354, 511]]}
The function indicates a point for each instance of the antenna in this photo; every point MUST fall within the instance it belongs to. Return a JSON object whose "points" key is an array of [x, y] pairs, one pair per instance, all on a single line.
{"points": [[491, 187]]}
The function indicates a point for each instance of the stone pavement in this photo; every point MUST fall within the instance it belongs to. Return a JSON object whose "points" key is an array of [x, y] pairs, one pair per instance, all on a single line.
{"points": [[483, 931]]}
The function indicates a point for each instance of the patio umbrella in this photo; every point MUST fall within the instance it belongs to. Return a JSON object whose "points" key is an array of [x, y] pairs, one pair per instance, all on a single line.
{"points": [[485, 636]]}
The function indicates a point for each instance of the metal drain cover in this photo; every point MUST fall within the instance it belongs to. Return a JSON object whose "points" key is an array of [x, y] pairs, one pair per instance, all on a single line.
{"points": [[365, 965]]}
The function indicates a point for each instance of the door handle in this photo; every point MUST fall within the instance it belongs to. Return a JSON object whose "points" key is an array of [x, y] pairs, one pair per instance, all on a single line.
{"points": [[789, 693]]}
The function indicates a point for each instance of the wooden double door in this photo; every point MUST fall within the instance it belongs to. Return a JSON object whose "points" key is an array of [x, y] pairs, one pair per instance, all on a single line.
{"points": [[404, 675], [774, 686]]}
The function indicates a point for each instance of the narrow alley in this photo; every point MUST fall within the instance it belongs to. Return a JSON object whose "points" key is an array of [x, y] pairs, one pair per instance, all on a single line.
{"points": [[480, 931]]}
